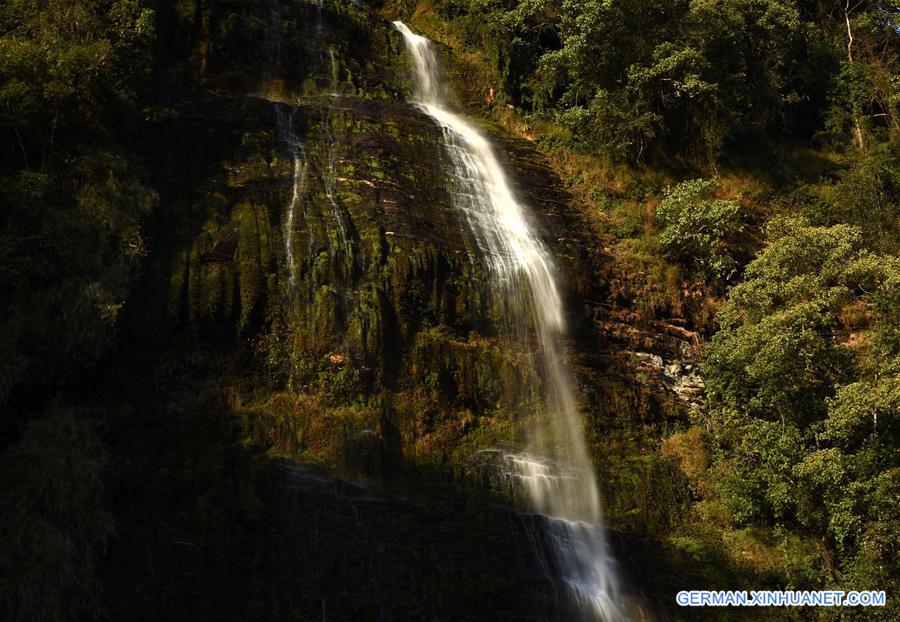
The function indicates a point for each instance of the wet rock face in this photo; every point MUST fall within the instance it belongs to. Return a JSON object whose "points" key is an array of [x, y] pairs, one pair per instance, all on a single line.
{"points": [[362, 332], [307, 229], [307, 232], [643, 369], [372, 227], [301, 47]]}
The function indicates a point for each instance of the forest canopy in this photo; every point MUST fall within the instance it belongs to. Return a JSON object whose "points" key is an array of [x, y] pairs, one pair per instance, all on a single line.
{"points": [[694, 78]]}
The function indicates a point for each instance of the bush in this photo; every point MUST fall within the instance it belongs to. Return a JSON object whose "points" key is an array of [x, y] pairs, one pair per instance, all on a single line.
{"points": [[695, 229]]}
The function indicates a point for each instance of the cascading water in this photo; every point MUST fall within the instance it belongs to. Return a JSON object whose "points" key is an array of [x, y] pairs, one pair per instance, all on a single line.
{"points": [[327, 62], [284, 119], [557, 476], [287, 135]]}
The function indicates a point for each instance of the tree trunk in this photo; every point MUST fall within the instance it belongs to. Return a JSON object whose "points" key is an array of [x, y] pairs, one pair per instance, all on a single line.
{"points": [[857, 128]]}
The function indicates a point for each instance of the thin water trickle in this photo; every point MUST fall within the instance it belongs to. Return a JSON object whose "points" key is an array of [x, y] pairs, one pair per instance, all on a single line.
{"points": [[330, 177], [557, 472], [299, 186], [335, 72], [287, 135]]}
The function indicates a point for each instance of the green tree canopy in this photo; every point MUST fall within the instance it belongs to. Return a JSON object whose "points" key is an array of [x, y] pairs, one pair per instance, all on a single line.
{"points": [[804, 395]]}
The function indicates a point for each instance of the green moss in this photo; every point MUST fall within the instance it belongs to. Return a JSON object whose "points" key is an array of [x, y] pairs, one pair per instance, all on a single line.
{"points": [[303, 428], [254, 257]]}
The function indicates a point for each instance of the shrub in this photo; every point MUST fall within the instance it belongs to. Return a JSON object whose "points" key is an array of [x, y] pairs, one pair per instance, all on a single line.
{"points": [[695, 228]]}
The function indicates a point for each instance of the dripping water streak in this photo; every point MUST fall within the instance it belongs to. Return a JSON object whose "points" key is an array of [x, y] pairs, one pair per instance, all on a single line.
{"points": [[287, 135], [330, 177], [330, 174], [300, 174], [558, 477], [335, 72]]}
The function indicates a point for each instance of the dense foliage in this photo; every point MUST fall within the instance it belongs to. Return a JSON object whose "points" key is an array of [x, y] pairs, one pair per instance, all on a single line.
{"points": [[692, 78], [71, 196], [695, 229], [804, 390], [54, 527], [72, 201]]}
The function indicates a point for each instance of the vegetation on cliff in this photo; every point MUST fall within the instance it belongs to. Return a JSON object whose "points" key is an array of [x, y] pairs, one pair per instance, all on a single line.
{"points": [[715, 174], [788, 114]]}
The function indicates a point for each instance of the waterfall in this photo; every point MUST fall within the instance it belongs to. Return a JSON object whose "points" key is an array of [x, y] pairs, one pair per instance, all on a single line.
{"points": [[287, 135], [556, 473]]}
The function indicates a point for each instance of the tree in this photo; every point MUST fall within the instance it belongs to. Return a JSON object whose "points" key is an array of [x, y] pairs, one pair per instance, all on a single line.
{"points": [[695, 228], [803, 387], [71, 197]]}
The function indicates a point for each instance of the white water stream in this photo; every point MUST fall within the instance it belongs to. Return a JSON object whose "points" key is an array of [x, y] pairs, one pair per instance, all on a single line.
{"points": [[557, 472], [286, 133]]}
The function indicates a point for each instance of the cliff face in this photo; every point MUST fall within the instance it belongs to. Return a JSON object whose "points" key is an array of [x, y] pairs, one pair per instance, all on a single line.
{"points": [[311, 298]]}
